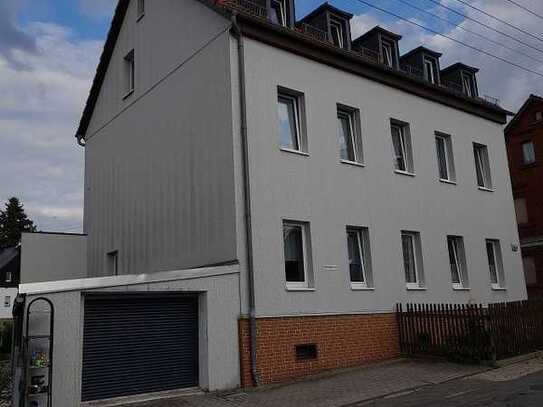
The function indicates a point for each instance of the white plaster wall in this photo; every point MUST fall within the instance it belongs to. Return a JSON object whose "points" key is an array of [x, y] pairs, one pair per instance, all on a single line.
{"points": [[330, 195], [6, 311], [52, 257]]}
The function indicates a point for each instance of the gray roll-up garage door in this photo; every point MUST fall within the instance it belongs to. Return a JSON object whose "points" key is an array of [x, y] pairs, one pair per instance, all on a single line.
{"points": [[139, 343]]}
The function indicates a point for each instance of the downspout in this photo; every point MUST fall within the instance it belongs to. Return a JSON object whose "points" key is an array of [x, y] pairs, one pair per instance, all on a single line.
{"points": [[247, 197]]}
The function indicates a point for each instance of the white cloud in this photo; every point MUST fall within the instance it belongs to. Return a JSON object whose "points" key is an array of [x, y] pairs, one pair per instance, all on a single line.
{"points": [[511, 85], [39, 111], [97, 9]]}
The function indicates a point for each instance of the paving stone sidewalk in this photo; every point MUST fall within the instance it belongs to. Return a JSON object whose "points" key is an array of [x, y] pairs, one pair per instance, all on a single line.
{"points": [[337, 390]]}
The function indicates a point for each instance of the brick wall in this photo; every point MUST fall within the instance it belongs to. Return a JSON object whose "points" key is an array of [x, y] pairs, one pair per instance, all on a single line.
{"points": [[342, 341]]}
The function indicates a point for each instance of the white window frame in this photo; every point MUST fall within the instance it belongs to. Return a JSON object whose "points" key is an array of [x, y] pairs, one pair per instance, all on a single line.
{"points": [[282, 11], [416, 248], [113, 263], [297, 100], [482, 166], [7, 301], [130, 73], [353, 116], [338, 27], [459, 257], [141, 9], [298, 285], [362, 236], [525, 155], [468, 84], [498, 264], [8, 277], [405, 145], [430, 66], [449, 157], [388, 53]]}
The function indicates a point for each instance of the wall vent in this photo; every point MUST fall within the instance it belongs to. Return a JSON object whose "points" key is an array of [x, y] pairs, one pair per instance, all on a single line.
{"points": [[306, 351]]}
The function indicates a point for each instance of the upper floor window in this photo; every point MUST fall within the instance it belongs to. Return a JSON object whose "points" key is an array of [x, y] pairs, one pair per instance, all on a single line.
{"points": [[457, 260], [8, 277], [279, 12], [296, 251], [141, 8], [468, 84], [388, 53], [291, 125], [521, 210], [538, 116], [431, 69], [401, 142], [349, 137], [530, 270], [482, 166], [495, 263], [445, 158], [412, 259], [528, 153], [358, 250], [336, 31], [113, 263], [129, 73]]}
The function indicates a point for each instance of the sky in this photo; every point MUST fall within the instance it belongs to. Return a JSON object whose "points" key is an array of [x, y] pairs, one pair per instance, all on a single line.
{"points": [[49, 50]]}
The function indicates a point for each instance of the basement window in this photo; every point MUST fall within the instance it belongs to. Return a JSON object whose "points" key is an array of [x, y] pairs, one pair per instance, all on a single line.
{"points": [[306, 352]]}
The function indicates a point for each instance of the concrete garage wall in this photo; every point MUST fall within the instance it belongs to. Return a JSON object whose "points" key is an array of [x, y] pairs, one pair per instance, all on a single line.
{"points": [[219, 310], [331, 195], [53, 257]]}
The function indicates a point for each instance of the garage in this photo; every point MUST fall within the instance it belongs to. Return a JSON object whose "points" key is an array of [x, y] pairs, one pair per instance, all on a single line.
{"points": [[137, 343]]}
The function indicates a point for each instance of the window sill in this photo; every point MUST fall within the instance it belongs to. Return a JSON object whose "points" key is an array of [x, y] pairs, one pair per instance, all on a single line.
{"points": [[409, 174], [290, 150], [128, 94], [140, 17], [485, 189], [356, 287], [300, 289], [461, 288], [415, 288], [447, 181], [354, 163], [498, 288]]}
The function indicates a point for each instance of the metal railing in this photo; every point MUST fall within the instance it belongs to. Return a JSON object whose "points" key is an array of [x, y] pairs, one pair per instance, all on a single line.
{"points": [[314, 32], [249, 7], [368, 54], [412, 71], [490, 99], [453, 87]]}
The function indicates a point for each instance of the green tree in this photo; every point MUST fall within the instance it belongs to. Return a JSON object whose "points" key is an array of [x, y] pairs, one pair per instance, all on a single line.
{"points": [[13, 222]]}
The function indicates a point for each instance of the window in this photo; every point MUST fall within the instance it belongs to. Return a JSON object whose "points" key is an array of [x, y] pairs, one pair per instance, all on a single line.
{"points": [[530, 271], [129, 67], [538, 116], [290, 113], [296, 249], [358, 251], [431, 71], [113, 263], [445, 158], [279, 12], [8, 277], [482, 166], [349, 138], [401, 142], [468, 84], [306, 351], [388, 53], [495, 263], [141, 9], [457, 260], [336, 30], [521, 210], [528, 153], [412, 259], [7, 301]]}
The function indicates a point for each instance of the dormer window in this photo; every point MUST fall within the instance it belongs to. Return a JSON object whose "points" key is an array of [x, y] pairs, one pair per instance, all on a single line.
{"points": [[336, 30], [430, 69], [279, 12], [468, 84], [387, 50]]}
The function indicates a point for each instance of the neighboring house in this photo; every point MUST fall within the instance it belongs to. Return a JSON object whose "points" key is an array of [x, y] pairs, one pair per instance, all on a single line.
{"points": [[524, 138], [261, 192], [10, 265]]}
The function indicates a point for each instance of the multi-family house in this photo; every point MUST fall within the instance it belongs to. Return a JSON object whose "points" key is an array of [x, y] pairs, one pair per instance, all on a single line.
{"points": [[260, 192], [524, 139], [10, 265]]}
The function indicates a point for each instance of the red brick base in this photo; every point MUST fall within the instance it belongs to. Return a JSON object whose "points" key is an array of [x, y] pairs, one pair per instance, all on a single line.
{"points": [[342, 341]]}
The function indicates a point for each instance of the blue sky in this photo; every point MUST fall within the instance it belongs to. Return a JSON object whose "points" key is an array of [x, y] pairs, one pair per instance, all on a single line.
{"points": [[49, 50]]}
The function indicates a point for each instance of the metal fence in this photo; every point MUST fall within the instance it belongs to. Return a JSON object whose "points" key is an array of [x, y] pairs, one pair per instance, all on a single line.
{"points": [[471, 332]]}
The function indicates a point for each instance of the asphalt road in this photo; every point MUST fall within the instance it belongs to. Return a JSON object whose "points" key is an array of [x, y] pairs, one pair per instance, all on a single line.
{"points": [[475, 391]]}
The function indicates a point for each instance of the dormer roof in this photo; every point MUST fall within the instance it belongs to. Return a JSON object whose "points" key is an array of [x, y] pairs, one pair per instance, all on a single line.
{"points": [[422, 50], [378, 30], [326, 7], [459, 67]]}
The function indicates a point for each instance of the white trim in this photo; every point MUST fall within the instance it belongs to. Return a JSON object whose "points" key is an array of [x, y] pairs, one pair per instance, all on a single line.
{"points": [[326, 314], [290, 150], [460, 288], [415, 287], [124, 280], [348, 162], [497, 287], [298, 285], [295, 100], [446, 181], [485, 189], [293, 288], [361, 287], [411, 174]]}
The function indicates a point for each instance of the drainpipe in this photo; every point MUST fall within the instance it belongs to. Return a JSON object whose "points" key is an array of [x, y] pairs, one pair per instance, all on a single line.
{"points": [[247, 196]]}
